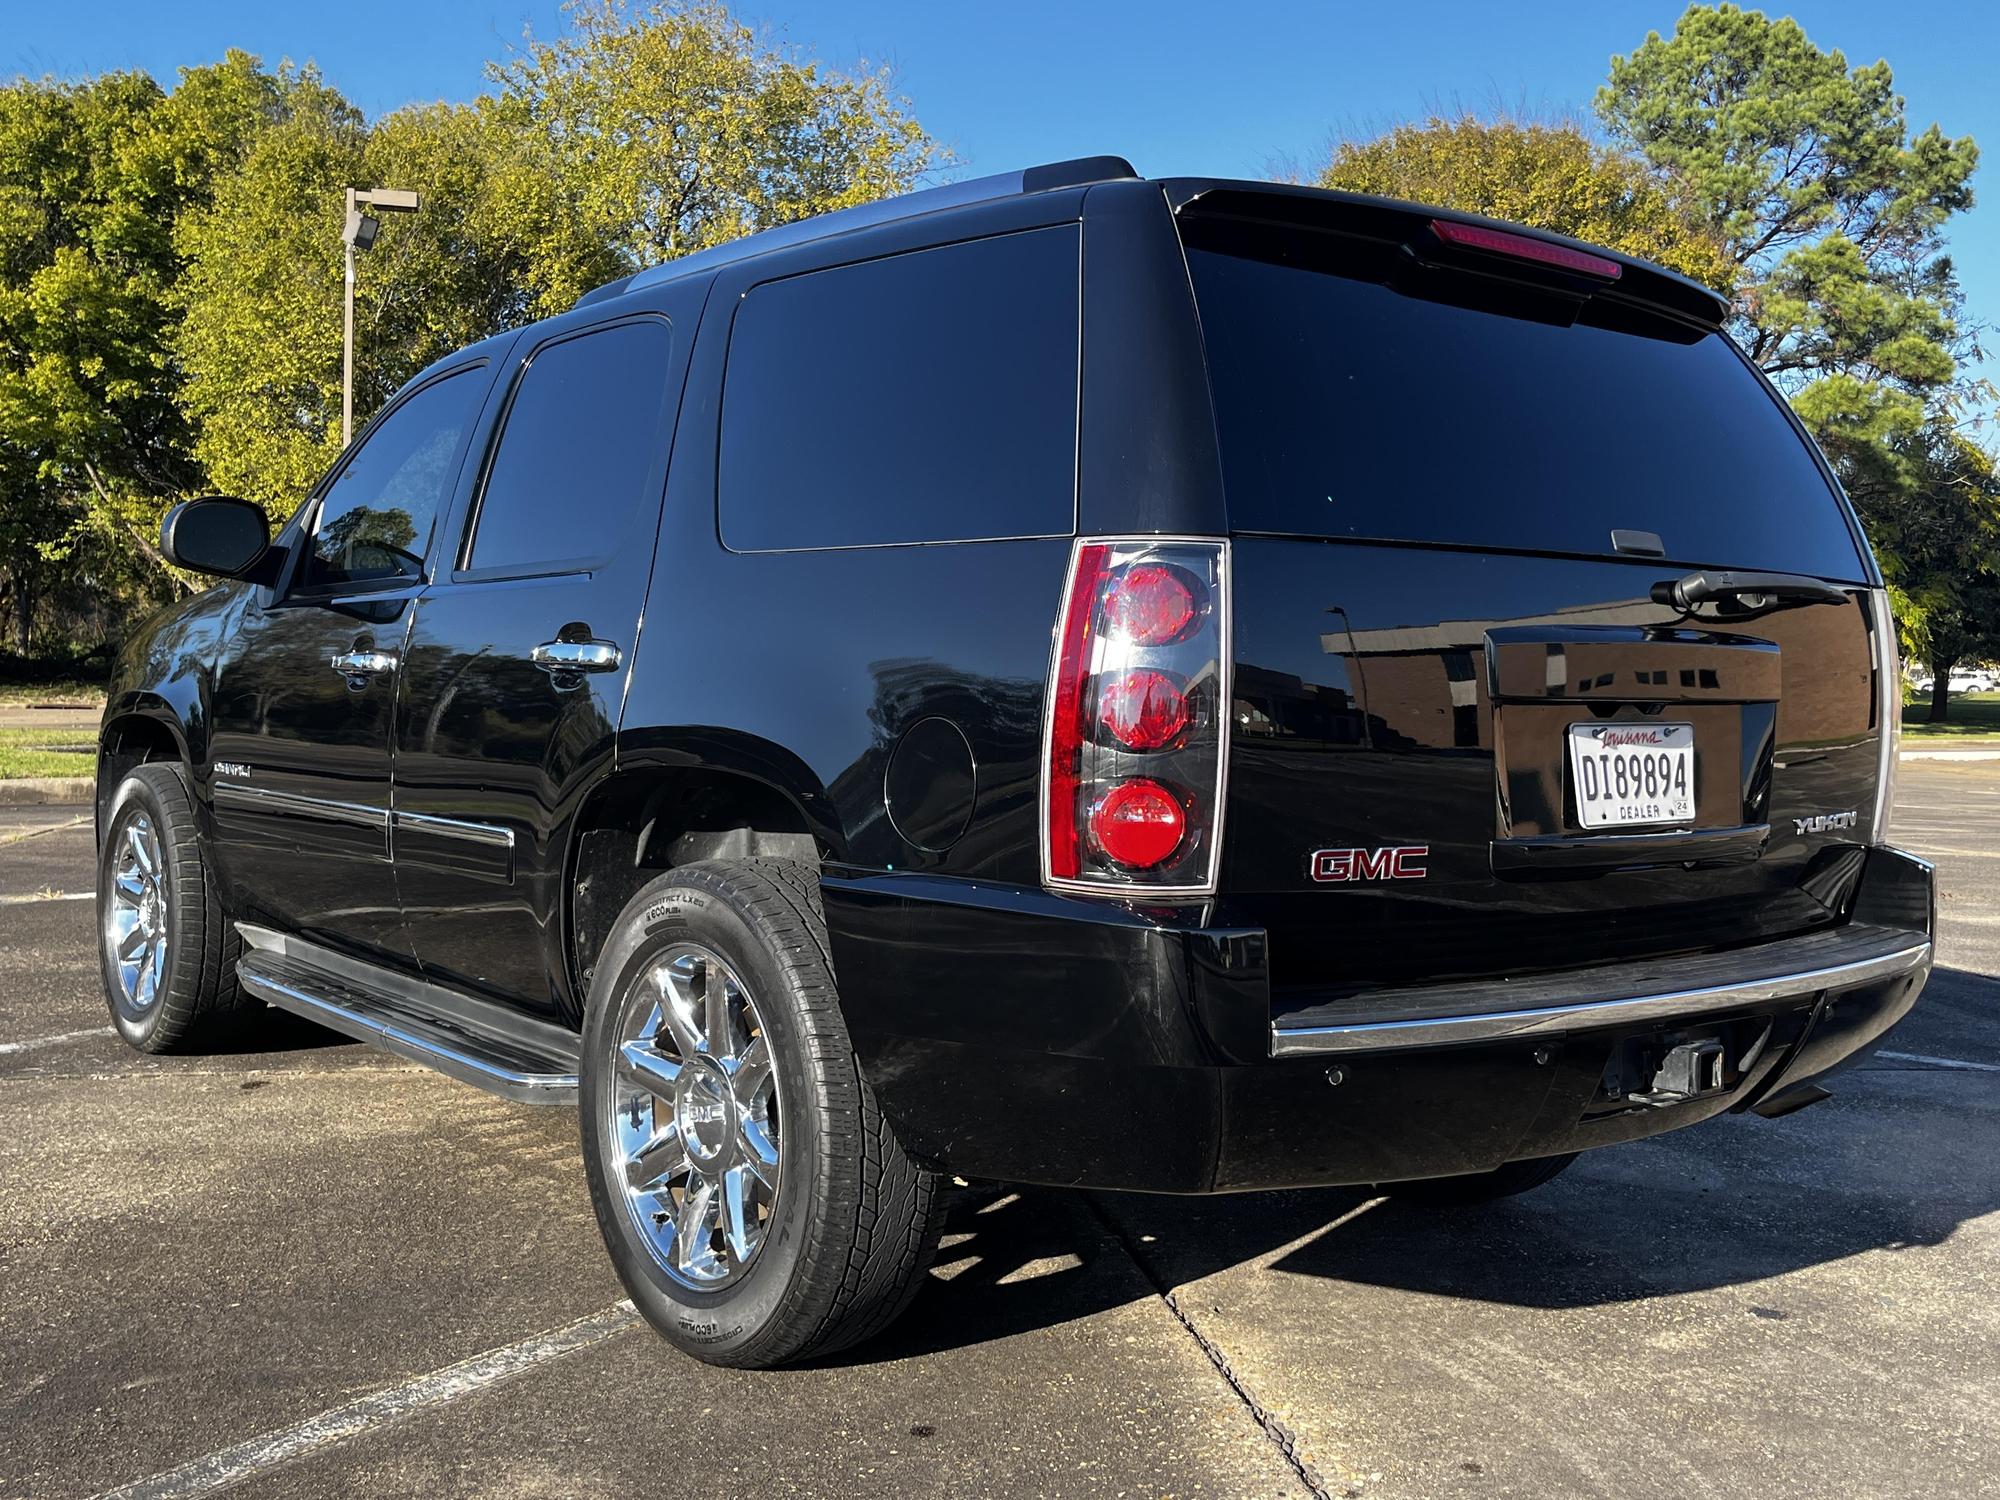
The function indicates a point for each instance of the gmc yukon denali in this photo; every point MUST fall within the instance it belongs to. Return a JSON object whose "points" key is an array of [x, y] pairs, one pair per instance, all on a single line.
{"points": [[1178, 685]]}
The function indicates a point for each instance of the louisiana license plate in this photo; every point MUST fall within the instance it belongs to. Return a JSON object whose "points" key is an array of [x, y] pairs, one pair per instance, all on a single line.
{"points": [[1632, 775]]}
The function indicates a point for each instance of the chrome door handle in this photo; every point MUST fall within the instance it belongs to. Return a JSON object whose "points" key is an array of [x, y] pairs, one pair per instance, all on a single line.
{"points": [[358, 666], [576, 656]]}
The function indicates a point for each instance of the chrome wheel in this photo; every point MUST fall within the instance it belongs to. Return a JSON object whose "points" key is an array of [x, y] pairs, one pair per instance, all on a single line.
{"points": [[135, 917], [694, 1130]]}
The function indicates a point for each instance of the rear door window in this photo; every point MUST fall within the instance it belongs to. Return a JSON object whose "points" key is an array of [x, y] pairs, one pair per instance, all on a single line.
{"points": [[1348, 407], [926, 397], [583, 440]]}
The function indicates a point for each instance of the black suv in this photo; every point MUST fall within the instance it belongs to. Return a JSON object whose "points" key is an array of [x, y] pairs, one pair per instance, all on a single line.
{"points": [[1177, 685]]}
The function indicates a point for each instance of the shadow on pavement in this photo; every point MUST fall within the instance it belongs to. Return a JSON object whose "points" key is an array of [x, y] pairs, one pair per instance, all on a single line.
{"points": [[272, 1030]]}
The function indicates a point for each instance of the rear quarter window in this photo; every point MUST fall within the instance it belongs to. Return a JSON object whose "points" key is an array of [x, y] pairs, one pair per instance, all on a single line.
{"points": [[924, 397], [1347, 407]]}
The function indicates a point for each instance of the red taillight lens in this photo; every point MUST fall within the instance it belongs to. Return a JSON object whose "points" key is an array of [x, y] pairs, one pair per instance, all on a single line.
{"points": [[1143, 710], [1137, 714], [1138, 824], [1150, 604]]}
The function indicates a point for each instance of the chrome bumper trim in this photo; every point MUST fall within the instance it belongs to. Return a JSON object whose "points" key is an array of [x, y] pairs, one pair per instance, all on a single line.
{"points": [[1362, 1035]]}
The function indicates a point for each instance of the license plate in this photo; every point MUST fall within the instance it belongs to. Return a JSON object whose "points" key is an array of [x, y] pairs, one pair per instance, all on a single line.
{"points": [[1632, 775]]}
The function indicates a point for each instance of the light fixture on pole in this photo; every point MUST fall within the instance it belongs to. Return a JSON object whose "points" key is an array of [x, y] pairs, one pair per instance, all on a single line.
{"points": [[358, 233]]}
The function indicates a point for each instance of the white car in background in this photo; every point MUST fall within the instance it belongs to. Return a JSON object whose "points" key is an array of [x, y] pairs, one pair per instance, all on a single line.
{"points": [[1965, 680]]}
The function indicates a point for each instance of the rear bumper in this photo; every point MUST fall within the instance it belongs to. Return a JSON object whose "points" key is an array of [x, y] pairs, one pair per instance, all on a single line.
{"points": [[1628, 995], [1013, 1034]]}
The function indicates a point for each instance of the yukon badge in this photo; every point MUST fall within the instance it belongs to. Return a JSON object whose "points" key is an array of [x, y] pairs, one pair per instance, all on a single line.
{"points": [[1826, 822], [1404, 862]]}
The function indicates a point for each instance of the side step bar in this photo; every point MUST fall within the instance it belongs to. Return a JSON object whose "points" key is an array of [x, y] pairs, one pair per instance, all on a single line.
{"points": [[473, 1040]]}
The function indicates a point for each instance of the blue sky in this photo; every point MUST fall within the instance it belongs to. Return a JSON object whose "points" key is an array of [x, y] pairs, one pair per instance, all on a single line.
{"points": [[1177, 88]]}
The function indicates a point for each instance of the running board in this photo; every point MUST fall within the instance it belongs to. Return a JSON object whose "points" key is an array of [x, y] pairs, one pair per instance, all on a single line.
{"points": [[473, 1040]]}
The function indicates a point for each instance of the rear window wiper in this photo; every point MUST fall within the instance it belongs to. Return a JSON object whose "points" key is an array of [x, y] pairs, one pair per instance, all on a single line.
{"points": [[1750, 592]]}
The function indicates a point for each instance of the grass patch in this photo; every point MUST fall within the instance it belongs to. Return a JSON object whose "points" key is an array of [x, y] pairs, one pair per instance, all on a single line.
{"points": [[47, 752], [1972, 715], [69, 692]]}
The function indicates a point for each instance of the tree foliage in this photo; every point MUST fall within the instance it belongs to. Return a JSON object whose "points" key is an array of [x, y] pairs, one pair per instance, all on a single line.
{"points": [[635, 136], [673, 128], [1835, 215], [1551, 176], [170, 262], [1832, 211], [92, 439], [1940, 545], [260, 336], [1748, 158]]}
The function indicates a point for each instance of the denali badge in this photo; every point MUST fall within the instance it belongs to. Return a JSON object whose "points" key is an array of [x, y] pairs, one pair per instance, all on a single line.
{"points": [[1826, 822], [232, 768], [1402, 863]]}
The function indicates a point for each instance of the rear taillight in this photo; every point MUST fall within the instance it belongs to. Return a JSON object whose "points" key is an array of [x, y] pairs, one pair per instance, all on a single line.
{"points": [[1135, 739]]}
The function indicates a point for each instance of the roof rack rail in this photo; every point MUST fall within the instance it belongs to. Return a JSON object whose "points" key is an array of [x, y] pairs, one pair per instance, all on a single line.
{"points": [[1042, 179]]}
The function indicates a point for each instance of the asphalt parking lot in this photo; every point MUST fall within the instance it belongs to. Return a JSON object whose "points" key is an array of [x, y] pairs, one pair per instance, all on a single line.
{"points": [[312, 1270]]}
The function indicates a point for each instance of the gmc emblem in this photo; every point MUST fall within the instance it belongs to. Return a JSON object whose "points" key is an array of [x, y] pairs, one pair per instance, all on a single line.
{"points": [[1402, 863]]}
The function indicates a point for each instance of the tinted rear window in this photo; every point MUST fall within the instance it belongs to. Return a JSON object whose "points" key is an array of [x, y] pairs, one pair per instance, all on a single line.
{"points": [[927, 397], [1431, 413]]}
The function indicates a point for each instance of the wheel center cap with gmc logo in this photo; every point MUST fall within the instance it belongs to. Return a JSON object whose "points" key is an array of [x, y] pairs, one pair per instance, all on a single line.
{"points": [[702, 1109]]}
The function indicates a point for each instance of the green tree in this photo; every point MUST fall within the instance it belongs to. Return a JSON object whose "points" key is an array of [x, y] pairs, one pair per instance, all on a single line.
{"points": [[1831, 211], [1939, 539], [636, 136], [670, 127], [93, 176], [1551, 176]]}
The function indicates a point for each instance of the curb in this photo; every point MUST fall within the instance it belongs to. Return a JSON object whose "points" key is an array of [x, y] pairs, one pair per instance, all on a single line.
{"points": [[45, 791], [1993, 754]]}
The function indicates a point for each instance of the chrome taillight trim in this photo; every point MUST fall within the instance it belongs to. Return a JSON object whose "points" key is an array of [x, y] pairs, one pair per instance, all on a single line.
{"points": [[1139, 890], [1888, 710]]}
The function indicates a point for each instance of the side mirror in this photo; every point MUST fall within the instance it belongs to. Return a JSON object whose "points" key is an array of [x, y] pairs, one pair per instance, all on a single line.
{"points": [[218, 535]]}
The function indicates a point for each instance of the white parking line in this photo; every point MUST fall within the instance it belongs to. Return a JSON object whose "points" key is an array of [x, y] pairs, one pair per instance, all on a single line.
{"points": [[53, 1041], [439, 1388], [47, 896], [1958, 1064]]}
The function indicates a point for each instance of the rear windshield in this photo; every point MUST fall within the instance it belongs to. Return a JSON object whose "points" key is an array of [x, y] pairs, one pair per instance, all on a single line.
{"points": [[1359, 397]]}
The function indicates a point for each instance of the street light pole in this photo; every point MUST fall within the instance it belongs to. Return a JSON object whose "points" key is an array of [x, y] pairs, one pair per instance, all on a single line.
{"points": [[358, 233], [347, 330]]}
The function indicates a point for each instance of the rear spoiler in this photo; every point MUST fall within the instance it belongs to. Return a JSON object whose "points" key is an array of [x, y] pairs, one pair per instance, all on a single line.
{"points": [[1389, 221]]}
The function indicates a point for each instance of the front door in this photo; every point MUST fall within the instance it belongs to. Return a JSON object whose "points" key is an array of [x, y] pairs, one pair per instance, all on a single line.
{"points": [[519, 653], [304, 692]]}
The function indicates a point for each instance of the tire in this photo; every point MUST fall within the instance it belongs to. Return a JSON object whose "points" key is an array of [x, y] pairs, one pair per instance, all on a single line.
{"points": [[1480, 1187], [184, 994], [716, 1061]]}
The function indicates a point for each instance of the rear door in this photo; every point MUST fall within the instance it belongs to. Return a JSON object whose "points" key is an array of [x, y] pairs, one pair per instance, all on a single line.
{"points": [[1468, 742], [520, 651]]}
